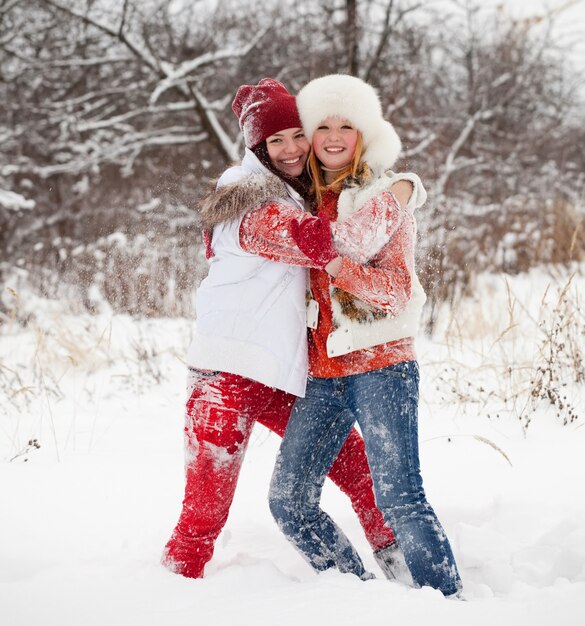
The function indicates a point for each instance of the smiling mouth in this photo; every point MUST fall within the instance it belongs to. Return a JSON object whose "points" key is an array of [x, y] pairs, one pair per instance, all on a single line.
{"points": [[334, 150], [291, 161]]}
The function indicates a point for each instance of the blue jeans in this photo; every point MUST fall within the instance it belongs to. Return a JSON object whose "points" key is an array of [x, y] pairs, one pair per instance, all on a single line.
{"points": [[385, 404]]}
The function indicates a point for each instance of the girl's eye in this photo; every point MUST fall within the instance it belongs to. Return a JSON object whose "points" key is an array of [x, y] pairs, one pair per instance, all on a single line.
{"points": [[347, 127], [300, 136], [322, 127], [276, 140]]}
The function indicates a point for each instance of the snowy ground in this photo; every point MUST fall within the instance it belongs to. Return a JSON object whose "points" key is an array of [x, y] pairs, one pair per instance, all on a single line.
{"points": [[85, 516]]}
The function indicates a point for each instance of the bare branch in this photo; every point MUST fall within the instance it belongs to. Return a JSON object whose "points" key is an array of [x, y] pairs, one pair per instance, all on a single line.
{"points": [[140, 53], [385, 35], [395, 106], [7, 6], [86, 62], [14, 201], [123, 22], [387, 30]]}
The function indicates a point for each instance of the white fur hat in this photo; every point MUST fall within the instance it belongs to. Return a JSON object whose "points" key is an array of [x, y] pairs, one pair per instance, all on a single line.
{"points": [[353, 99]]}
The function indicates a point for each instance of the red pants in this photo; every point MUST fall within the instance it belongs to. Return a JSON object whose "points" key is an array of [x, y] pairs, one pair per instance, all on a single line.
{"points": [[221, 411]]}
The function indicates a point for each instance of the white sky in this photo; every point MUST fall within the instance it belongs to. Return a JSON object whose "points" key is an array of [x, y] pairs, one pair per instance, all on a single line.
{"points": [[569, 20]]}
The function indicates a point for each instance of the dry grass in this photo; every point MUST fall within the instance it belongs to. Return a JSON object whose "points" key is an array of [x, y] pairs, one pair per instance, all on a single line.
{"points": [[511, 238], [61, 365], [524, 361]]}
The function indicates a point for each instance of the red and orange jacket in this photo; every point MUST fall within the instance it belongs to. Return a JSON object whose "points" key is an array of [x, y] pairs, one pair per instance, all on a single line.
{"points": [[374, 303]]}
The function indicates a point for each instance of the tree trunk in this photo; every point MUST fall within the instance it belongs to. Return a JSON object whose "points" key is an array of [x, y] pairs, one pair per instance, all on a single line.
{"points": [[352, 37]]}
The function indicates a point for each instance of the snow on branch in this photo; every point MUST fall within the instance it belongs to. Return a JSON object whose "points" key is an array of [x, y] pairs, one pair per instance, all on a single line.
{"points": [[420, 147], [175, 75], [85, 62], [212, 123], [119, 120], [120, 151], [91, 95], [14, 201], [450, 163]]}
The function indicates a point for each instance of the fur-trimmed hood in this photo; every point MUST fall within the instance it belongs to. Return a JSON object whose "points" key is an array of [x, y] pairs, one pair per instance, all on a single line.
{"points": [[228, 202]]}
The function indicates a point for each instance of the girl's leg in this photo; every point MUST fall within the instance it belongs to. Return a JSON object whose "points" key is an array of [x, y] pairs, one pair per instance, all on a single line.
{"points": [[317, 428], [386, 404], [350, 472], [219, 419]]}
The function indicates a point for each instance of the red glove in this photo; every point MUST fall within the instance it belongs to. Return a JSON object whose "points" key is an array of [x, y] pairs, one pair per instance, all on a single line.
{"points": [[313, 237]]}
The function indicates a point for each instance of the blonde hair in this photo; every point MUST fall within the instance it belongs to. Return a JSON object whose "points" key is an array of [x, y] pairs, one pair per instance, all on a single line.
{"points": [[355, 169]]}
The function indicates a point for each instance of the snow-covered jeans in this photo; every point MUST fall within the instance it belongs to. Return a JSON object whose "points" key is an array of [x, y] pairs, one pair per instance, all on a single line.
{"points": [[220, 414], [385, 404]]}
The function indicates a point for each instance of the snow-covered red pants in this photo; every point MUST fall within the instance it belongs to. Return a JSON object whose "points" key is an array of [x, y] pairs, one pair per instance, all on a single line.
{"points": [[220, 414]]}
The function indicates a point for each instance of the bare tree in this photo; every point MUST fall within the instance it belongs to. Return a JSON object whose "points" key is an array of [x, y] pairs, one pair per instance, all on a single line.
{"points": [[115, 116]]}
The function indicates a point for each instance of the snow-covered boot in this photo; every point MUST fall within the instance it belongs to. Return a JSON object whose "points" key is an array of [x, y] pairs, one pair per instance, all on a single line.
{"points": [[187, 556], [392, 562]]}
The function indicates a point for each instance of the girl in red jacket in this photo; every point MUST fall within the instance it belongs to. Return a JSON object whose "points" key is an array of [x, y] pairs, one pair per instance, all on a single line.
{"points": [[362, 359], [248, 359]]}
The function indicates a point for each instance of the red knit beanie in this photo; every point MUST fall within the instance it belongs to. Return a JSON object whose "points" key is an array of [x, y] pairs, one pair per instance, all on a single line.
{"points": [[265, 109]]}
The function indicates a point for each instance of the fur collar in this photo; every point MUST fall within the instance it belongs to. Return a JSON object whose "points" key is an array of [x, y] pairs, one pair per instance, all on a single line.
{"points": [[229, 202]]}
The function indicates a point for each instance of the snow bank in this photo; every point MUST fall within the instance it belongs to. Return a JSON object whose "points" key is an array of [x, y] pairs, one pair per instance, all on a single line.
{"points": [[85, 516]]}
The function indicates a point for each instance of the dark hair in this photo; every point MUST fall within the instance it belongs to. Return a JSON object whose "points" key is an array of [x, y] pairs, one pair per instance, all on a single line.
{"points": [[301, 184]]}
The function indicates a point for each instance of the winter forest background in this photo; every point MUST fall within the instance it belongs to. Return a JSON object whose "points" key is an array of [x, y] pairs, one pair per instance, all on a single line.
{"points": [[115, 118]]}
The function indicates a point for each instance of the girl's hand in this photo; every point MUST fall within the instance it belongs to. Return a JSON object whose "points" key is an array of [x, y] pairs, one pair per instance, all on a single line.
{"points": [[333, 267], [313, 237], [402, 191]]}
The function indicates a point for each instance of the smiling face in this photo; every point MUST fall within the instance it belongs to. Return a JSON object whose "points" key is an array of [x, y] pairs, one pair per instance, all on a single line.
{"points": [[334, 142], [288, 150]]}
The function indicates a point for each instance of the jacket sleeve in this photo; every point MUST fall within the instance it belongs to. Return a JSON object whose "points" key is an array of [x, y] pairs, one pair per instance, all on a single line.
{"points": [[386, 282], [386, 288], [362, 235], [266, 232]]}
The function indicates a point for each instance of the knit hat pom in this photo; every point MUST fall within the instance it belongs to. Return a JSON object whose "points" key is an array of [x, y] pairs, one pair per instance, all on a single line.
{"points": [[265, 109], [350, 98]]}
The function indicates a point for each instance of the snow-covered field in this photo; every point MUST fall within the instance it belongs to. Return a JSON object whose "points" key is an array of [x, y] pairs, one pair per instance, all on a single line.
{"points": [[84, 516]]}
